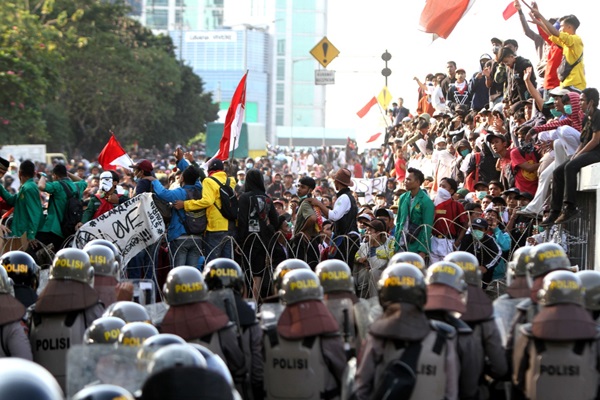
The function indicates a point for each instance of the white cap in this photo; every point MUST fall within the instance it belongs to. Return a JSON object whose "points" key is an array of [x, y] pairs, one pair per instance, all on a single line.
{"points": [[440, 139]]}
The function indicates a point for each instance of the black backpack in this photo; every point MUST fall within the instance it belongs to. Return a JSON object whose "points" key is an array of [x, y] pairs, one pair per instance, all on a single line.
{"points": [[399, 377], [194, 222], [73, 212], [229, 201]]}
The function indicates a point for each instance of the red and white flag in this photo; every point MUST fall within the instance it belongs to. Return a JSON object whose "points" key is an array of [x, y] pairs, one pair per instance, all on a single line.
{"points": [[374, 137], [441, 16], [363, 111], [113, 155], [233, 121], [509, 11]]}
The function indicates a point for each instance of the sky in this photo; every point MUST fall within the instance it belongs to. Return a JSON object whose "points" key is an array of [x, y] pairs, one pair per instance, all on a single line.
{"points": [[362, 34]]}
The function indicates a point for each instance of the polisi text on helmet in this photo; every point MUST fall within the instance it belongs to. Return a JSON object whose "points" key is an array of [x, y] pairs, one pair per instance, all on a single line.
{"points": [[16, 268], [400, 281], [334, 275], [188, 287], [304, 284], [224, 272], [69, 263]]}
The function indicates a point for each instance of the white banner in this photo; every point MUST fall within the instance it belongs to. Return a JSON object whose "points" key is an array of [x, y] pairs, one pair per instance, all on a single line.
{"points": [[131, 226], [368, 186]]}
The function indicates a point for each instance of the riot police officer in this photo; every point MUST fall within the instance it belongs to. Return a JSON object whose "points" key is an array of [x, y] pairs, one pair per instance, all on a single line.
{"points": [[590, 279], [224, 275], [63, 311], [195, 319], [25, 273], [128, 311], [13, 339], [135, 334], [304, 353], [25, 380], [446, 297], [410, 258], [104, 330], [106, 272], [557, 357], [398, 335], [480, 318]]}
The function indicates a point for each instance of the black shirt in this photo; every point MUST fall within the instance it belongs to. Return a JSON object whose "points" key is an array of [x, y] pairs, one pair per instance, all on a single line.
{"points": [[591, 125]]}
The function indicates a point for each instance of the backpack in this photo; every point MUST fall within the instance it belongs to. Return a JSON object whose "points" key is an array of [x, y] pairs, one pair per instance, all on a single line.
{"points": [[399, 376], [229, 201], [194, 222], [164, 207], [73, 212]]}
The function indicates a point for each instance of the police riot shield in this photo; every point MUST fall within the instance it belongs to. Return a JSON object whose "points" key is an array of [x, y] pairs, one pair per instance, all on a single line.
{"points": [[225, 300], [348, 379], [144, 291], [362, 310], [157, 312], [343, 312], [505, 309], [103, 363], [375, 309], [44, 276], [269, 314]]}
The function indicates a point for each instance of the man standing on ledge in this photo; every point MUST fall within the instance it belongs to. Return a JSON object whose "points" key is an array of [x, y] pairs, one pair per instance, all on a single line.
{"points": [[343, 215]]}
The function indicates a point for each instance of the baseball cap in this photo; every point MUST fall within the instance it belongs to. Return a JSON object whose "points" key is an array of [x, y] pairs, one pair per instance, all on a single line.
{"points": [[480, 223], [143, 165], [558, 91], [215, 165]]}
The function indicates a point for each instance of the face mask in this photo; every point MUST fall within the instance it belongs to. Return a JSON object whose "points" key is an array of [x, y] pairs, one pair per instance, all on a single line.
{"points": [[136, 179], [362, 231], [303, 197], [106, 184], [242, 181], [478, 234], [319, 198], [540, 229], [249, 165], [481, 195], [568, 109], [464, 152], [555, 113], [495, 49]]}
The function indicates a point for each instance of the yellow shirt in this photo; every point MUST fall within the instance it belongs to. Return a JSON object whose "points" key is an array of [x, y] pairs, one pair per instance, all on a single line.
{"points": [[211, 200], [572, 46]]}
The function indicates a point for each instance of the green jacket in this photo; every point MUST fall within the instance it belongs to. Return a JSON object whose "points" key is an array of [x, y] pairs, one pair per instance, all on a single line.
{"points": [[57, 203], [27, 216], [421, 213]]}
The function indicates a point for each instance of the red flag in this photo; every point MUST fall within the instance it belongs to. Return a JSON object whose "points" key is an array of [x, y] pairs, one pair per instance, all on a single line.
{"points": [[374, 137], [509, 11], [233, 121], [363, 111], [441, 16], [113, 155]]}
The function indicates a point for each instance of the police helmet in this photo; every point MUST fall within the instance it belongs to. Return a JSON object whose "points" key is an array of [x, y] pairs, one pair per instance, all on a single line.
{"points": [[214, 362], [104, 330], [469, 264], [152, 344], [547, 257], [591, 283], [21, 268], [6, 283], [520, 259], [335, 276], [410, 258], [106, 243], [136, 333], [402, 283], [103, 392], [22, 379], [284, 267], [224, 273], [174, 356], [560, 287], [446, 273], [184, 285], [72, 264], [103, 260], [300, 285], [128, 311]]}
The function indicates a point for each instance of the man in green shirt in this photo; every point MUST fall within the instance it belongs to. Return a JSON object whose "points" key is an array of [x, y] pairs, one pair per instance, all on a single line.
{"points": [[27, 215], [51, 231], [305, 228]]}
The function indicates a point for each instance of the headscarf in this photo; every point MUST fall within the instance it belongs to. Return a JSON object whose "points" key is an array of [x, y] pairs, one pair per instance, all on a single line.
{"points": [[254, 181]]}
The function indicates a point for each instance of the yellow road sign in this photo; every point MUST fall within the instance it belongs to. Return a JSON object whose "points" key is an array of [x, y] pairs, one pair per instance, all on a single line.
{"points": [[324, 52], [384, 98]]}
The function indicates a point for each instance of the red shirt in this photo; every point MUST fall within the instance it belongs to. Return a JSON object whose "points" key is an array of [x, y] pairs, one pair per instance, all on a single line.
{"points": [[449, 215], [358, 172], [524, 181], [400, 172], [554, 58]]}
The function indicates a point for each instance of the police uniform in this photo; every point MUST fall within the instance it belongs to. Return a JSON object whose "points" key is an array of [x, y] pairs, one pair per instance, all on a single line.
{"points": [[25, 274], [590, 279], [13, 339], [64, 310], [480, 318], [558, 353], [106, 272], [304, 353], [195, 319], [402, 329], [225, 276], [446, 295]]}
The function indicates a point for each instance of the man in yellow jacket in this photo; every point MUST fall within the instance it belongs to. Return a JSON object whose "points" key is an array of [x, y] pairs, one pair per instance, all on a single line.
{"points": [[219, 229]]}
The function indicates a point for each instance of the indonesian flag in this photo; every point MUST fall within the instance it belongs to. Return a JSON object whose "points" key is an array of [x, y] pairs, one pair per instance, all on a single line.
{"points": [[441, 16], [509, 11], [233, 121], [363, 111], [113, 155], [374, 137]]}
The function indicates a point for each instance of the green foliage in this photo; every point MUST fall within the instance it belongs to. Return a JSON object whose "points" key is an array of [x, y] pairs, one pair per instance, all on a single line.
{"points": [[72, 70]]}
